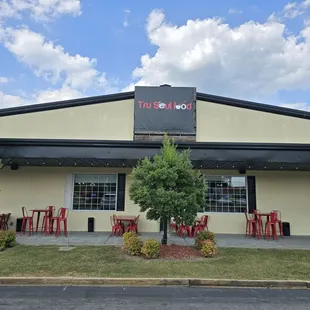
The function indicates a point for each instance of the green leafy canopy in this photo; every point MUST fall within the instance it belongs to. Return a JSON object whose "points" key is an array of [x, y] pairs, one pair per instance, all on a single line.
{"points": [[168, 186]]}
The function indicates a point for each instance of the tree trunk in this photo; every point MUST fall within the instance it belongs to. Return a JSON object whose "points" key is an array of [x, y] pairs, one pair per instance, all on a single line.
{"points": [[164, 239]]}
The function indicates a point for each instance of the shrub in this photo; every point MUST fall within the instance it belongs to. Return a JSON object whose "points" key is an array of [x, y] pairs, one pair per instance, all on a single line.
{"points": [[2, 239], [7, 239], [203, 236], [151, 248], [10, 239], [208, 249], [127, 237], [134, 246]]}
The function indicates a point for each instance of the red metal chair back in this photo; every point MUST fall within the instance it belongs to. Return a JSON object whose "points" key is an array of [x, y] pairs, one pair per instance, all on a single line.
{"points": [[6, 220], [257, 214], [277, 215], [51, 210], [273, 217], [63, 213], [136, 220], [247, 216], [114, 220], [25, 212], [205, 220], [2, 221]]}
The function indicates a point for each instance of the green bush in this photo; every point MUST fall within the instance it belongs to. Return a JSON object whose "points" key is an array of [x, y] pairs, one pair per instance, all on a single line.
{"points": [[127, 237], [134, 246], [7, 239], [150, 248], [10, 239], [2, 239], [203, 236], [208, 249]]}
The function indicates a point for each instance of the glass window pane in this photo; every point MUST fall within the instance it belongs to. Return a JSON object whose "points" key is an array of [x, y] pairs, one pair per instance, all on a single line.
{"points": [[226, 193], [94, 192]]}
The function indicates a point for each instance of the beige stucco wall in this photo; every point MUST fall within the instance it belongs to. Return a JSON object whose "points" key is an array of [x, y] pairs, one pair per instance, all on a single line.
{"points": [[40, 187], [221, 123], [106, 121]]}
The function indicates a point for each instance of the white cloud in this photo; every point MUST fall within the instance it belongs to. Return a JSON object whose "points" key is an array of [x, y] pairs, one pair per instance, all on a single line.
{"points": [[69, 74], [291, 10], [249, 61], [40, 10], [7, 100], [50, 95], [234, 11], [50, 61]]}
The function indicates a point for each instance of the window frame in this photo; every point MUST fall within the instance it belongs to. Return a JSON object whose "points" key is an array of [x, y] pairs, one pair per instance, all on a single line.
{"points": [[229, 175], [96, 174]]}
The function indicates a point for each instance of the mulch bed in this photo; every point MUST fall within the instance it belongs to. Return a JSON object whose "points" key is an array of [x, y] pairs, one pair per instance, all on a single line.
{"points": [[178, 252]]}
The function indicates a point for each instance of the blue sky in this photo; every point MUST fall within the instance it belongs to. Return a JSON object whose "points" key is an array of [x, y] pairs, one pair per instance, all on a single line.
{"points": [[254, 50]]}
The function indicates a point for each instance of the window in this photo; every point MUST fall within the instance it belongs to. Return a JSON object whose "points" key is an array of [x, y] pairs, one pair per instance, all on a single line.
{"points": [[94, 192], [226, 194]]}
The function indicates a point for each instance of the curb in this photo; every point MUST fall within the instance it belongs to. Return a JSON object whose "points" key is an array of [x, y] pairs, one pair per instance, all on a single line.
{"points": [[75, 281]]}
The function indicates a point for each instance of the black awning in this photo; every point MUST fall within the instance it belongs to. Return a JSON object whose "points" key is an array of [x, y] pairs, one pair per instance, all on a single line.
{"points": [[253, 156]]}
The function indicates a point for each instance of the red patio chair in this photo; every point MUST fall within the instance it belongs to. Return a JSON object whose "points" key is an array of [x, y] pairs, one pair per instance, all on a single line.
{"points": [[184, 229], [174, 226], [271, 226], [2, 222], [259, 224], [46, 225], [117, 227], [195, 229], [250, 225], [133, 226], [62, 216], [26, 218], [278, 220], [204, 223]]}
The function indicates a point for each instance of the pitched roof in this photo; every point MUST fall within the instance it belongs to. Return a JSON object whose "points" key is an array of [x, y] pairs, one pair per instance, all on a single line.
{"points": [[130, 95]]}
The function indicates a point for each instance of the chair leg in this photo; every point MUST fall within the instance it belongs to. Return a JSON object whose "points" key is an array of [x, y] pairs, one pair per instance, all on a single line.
{"points": [[281, 229], [274, 232], [268, 232], [30, 226], [65, 227], [24, 223], [57, 228]]}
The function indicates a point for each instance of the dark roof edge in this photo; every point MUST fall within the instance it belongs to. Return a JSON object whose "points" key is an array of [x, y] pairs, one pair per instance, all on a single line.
{"points": [[254, 106], [152, 144], [66, 104], [130, 95]]}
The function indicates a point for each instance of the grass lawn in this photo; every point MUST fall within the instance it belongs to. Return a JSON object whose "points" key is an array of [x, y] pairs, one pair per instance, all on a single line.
{"points": [[109, 261]]}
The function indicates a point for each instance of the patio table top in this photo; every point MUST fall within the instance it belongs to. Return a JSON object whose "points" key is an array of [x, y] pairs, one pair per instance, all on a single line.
{"points": [[125, 217]]}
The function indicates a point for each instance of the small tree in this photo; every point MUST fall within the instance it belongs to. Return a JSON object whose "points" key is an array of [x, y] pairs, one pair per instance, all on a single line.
{"points": [[168, 187]]}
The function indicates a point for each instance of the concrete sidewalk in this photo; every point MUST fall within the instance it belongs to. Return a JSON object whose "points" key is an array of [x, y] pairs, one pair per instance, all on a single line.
{"points": [[102, 238]]}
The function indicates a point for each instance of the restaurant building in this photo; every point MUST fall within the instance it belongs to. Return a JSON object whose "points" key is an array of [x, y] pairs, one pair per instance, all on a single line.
{"points": [[79, 154]]}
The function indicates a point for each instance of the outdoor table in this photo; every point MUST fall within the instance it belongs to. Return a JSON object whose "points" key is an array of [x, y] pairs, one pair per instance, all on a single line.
{"points": [[39, 211], [125, 218], [262, 215]]}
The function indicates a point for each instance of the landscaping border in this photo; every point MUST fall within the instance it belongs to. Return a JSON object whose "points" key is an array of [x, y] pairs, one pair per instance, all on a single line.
{"points": [[190, 282]]}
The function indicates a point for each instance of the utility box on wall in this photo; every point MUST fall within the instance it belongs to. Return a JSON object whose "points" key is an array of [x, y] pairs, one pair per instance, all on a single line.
{"points": [[165, 109]]}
